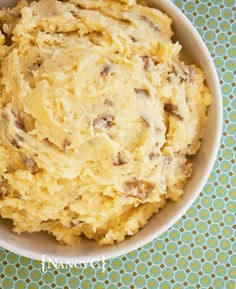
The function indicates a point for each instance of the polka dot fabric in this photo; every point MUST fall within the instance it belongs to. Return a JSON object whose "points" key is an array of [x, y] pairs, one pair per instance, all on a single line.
{"points": [[199, 251]]}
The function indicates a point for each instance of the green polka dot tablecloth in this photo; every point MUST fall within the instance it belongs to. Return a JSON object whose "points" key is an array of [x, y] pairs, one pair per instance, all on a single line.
{"points": [[199, 251]]}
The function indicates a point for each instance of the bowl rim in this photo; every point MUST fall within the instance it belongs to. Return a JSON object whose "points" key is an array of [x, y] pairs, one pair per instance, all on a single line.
{"points": [[20, 250]]}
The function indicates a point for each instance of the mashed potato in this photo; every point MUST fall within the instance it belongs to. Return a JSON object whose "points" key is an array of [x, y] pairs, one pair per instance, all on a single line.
{"points": [[98, 117]]}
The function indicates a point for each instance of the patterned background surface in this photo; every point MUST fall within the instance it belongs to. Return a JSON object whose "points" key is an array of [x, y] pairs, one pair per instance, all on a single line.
{"points": [[199, 251]]}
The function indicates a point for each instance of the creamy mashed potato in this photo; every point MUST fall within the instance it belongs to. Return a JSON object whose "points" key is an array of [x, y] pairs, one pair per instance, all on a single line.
{"points": [[98, 117]]}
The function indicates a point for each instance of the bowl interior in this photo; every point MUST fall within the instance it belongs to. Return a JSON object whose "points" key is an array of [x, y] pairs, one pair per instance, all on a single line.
{"points": [[38, 244]]}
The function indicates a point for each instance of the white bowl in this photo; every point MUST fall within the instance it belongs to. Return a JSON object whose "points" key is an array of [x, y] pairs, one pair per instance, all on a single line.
{"points": [[38, 244]]}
